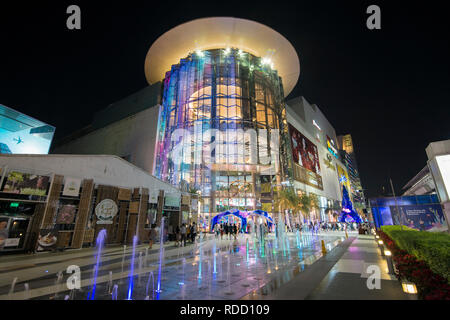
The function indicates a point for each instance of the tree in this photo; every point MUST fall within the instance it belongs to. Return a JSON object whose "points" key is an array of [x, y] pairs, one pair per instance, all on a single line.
{"points": [[15, 177], [285, 199]]}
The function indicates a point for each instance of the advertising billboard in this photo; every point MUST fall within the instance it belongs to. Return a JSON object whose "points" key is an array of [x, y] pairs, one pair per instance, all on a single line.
{"points": [[421, 217], [23, 183], [306, 159], [21, 134]]}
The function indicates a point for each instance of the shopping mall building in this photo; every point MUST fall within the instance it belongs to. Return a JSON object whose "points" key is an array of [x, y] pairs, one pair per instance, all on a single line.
{"points": [[214, 121]]}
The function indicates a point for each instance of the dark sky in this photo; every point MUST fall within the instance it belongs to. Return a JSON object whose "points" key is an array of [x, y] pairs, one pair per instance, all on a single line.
{"points": [[389, 88]]}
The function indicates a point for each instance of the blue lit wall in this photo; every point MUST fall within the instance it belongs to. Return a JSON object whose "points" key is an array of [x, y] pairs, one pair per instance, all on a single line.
{"points": [[422, 212], [21, 134]]}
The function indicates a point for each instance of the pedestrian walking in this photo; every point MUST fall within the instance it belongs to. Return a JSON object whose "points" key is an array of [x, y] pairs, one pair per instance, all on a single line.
{"points": [[193, 232], [177, 236], [183, 232]]}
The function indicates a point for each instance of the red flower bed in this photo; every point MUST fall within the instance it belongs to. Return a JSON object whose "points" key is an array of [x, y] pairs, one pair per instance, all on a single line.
{"points": [[430, 286]]}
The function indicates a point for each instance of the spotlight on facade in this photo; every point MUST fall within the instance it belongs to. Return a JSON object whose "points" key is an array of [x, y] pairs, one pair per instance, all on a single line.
{"points": [[266, 61], [377, 237], [227, 51], [380, 241], [200, 53], [409, 287]]}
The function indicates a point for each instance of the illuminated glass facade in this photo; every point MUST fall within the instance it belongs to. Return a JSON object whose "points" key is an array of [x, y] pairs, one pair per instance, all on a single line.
{"points": [[219, 129]]}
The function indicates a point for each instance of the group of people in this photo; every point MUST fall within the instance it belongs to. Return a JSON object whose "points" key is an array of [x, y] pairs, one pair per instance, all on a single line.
{"points": [[180, 234], [362, 228], [230, 230], [184, 233]]}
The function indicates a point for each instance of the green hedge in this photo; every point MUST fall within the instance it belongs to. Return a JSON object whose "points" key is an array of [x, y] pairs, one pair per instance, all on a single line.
{"points": [[431, 247]]}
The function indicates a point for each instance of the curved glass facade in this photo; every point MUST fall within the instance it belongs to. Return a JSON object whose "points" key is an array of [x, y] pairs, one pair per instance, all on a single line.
{"points": [[219, 126]]}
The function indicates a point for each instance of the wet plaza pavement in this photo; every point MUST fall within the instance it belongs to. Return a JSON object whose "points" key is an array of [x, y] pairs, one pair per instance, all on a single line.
{"points": [[238, 269]]}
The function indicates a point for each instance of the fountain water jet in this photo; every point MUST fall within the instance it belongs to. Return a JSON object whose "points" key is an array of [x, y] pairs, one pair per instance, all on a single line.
{"points": [[150, 276], [13, 285], [100, 242], [161, 256], [114, 292], [131, 277]]}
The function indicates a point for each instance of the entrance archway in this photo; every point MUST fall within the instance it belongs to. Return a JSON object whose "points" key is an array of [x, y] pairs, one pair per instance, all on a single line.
{"points": [[243, 216]]}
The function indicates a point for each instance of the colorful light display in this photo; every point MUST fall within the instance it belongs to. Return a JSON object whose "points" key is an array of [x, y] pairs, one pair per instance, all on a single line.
{"points": [[219, 127]]}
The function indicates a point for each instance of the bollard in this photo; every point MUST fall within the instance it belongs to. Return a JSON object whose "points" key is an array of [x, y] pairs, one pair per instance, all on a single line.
{"points": [[324, 250], [346, 234]]}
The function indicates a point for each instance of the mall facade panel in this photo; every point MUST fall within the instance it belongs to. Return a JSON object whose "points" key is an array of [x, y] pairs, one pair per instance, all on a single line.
{"points": [[50, 202], [316, 168]]}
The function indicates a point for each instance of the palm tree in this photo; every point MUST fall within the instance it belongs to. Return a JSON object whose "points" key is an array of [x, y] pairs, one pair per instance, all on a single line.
{"points": [[285, 199]]}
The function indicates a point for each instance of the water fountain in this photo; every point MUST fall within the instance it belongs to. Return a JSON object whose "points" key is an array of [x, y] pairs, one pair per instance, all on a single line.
{"points": [[161, 257], [200, 261], [146, 257], [59, 279], [100, 242], [298, 239], [247, 252], [229, 292], [131, 276], [110, 284], [140, 265], [13, 285], [123, 262], [26, 291], [150, 276], [115, 292], [214, 257]]}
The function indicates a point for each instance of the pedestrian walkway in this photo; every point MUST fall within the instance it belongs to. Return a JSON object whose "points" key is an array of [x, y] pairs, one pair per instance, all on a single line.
{"points": [[348, 278]]}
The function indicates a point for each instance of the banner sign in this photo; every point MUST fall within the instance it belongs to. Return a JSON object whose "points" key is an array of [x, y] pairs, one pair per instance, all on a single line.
{"points": [[47, 239], [106, 210], [421, 217], [66, 214], [124, 194], [153, 197], [71, 187], [29, 184]]}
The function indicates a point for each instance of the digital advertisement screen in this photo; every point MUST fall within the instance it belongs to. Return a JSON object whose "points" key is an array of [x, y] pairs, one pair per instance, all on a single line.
{"points": [[21, 134], [304, 151], [306, 165]]}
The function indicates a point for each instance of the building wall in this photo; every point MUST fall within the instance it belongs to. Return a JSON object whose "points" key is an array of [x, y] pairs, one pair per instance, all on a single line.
{"points": [[132, 138], [105, 170], [301, 114]]}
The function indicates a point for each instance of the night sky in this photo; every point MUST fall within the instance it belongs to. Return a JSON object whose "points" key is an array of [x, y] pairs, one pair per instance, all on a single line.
{"points": [[389, 88]]}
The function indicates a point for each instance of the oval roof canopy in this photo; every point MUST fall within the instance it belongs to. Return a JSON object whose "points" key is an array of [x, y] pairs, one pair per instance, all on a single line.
{"points": [[223, 32]]}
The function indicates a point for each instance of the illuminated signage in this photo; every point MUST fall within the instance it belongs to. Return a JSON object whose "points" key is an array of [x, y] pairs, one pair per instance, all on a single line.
{"points": [[331, 147]]}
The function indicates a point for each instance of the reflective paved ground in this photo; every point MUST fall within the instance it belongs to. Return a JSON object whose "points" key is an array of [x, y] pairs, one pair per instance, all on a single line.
{"points": [[292, 268]]}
